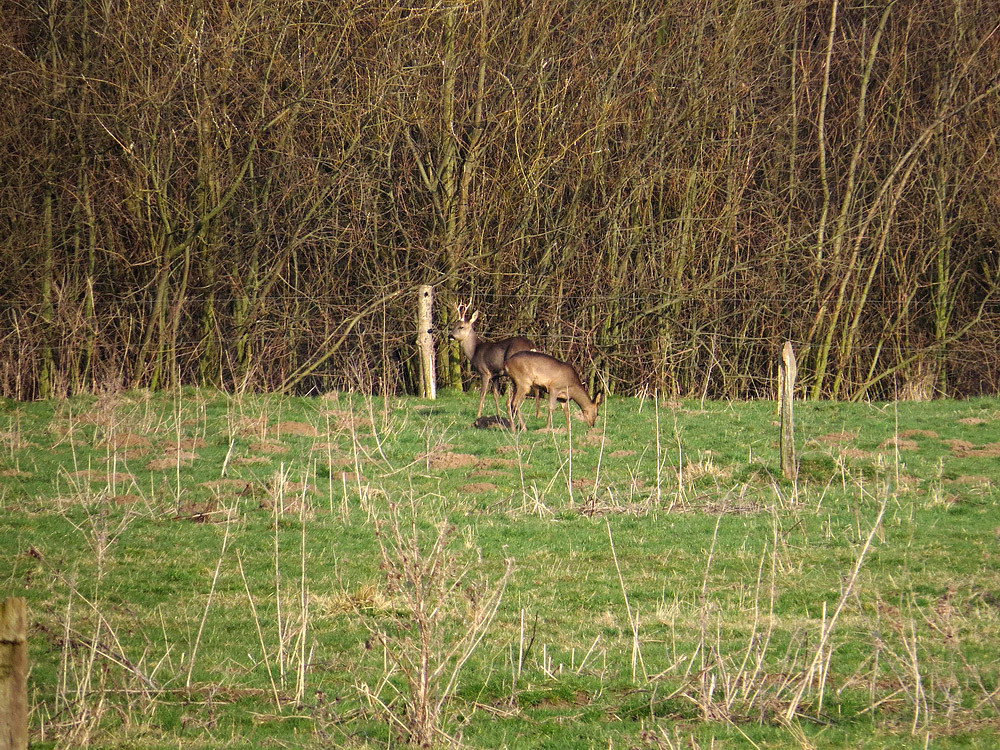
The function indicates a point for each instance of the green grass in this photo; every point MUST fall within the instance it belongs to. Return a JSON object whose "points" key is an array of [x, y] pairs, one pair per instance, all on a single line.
{"points": [[669, 588]]}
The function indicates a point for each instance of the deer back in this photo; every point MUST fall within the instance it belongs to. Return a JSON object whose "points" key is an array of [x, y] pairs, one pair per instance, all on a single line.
{"points": [[492, 355]]}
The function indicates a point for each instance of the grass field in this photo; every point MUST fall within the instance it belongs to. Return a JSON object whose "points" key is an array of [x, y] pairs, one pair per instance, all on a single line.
{"points": [[209, 570]]}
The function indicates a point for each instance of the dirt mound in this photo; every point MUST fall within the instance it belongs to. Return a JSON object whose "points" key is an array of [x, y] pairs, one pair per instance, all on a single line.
{"points": [[964, 448], [171, 461], [448, 460], [269, 449], [971, 479], [492, 463], [347, 476], [918, 433], [295, 429], [126, 441], [184, 445], [900, 443], [346, 420]]}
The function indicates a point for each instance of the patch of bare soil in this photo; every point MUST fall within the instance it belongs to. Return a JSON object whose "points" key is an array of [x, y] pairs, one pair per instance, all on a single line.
{"points": [[346, 420], [202, 511], [490, 463], [900, 443], [170, 462], [127, 441], [348, 476], [184, 445], [834, 438], [918, 433], [126, 499], [13, 440], [594, 506], [621, 453], [330, 461], [477, 488], [637, 484], [251, 460], [287, 492], [971, 479], [96, 417], [448, 460], [961, 448], [269, 449], [972, 420], [250, 426], [295, 429], [325, 446], [958, 447], [15, 473]]}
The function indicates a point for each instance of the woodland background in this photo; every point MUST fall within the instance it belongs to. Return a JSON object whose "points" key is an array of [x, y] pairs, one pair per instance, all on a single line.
{"points": [[245, 194]]}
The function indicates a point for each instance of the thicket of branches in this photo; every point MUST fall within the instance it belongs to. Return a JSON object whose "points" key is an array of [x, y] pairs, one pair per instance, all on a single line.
{"points": [[246, 193]]}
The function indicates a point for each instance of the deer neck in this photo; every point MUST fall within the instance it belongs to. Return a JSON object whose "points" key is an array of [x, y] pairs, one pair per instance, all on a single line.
{"points": [[469, 345]]}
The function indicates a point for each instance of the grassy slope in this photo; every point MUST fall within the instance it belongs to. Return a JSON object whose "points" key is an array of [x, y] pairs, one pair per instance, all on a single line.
{"points": [[676, 594]]}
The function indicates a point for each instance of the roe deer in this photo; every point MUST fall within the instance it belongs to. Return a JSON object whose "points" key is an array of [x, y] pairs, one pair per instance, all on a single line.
{"points": [[487, 357], [529, 369]]}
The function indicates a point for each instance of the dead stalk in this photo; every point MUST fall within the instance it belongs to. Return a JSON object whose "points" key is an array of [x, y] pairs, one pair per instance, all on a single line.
{"points": [[827, 628], [208, 603], [633, 619], [260, 631]]}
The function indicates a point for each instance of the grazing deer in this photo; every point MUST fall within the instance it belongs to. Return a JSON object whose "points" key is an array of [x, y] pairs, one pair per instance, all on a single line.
{"points": [[531, 368], [487, 357]]}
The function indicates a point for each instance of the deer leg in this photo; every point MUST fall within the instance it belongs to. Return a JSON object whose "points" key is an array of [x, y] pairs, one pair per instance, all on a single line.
{"points": [[566, 410], [496, 395], [482, 397], [552, 406], [516, 397]]}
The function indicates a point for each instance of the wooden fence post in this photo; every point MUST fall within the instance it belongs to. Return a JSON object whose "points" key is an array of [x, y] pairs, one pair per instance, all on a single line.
{"points": [[787, 371], [13, 674], [425, 340]]}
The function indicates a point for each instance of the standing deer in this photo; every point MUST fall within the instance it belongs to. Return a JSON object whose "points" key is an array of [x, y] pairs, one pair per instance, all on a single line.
{"points": [[531, 368], [487, 357]]}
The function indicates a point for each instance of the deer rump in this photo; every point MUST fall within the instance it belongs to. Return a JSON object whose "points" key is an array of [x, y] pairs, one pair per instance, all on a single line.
{"points": [[535, 369]]}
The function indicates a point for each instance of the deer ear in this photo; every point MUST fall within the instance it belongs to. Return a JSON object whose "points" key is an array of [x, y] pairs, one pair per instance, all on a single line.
{"points": [[474, 316], [599, 399]]}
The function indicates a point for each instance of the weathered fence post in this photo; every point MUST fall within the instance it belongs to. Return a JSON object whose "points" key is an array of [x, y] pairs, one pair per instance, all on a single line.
{"points": [[13, 674], [787, 370], [425, 340]]}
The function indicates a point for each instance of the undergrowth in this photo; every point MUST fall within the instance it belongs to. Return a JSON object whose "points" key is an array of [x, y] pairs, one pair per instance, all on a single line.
{"points": [[208, 569]]}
